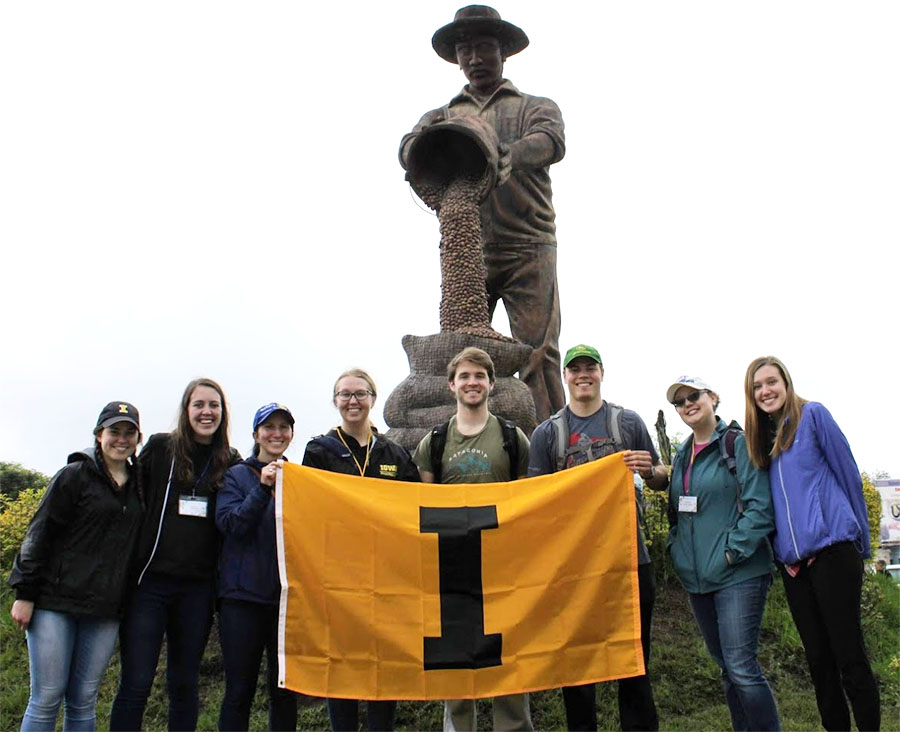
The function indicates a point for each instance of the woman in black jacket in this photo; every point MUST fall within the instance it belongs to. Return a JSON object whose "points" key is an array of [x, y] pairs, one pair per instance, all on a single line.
{"points": [[177, 554], [70, 573], [356, 448], [249, 587]]}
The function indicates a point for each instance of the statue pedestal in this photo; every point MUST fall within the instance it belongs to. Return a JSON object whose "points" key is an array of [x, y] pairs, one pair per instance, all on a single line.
{"points": [[423, 400]]}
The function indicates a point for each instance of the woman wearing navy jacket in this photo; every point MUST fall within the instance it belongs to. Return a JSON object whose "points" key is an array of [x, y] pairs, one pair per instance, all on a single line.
{"points": [[249, 588], [356, 448], [821, 537]]}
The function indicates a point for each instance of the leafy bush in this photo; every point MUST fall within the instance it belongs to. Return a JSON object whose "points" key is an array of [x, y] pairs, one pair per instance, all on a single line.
{"points": [[873, 506], [14, 478], [15, 513]]}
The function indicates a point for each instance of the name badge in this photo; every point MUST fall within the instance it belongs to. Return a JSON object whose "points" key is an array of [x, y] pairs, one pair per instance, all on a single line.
{"points": [[192, 506], [687, 504]]}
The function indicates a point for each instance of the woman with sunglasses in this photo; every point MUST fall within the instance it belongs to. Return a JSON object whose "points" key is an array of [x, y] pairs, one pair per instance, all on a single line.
{"points": [[356, 448], [719, 524], [70, 574], [177, 554], [821, 537], [249, 587]]}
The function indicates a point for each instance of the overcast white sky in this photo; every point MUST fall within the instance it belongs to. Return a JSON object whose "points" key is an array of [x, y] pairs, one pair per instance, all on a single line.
{"points": [[211, 188]]}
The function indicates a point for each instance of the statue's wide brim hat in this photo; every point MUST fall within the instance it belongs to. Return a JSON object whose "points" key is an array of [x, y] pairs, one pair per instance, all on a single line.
{"points": [[477, 20]]}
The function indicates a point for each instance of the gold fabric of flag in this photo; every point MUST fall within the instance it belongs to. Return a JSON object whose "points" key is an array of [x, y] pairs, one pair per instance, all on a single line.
{"points": [[539, 582]]}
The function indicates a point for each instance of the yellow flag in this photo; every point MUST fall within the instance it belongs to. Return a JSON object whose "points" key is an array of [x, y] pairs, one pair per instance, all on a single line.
{"points": [[395, 590]]}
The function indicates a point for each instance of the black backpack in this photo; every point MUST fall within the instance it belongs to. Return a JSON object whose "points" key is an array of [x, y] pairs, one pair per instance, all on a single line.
{"points": [[510, 444]]}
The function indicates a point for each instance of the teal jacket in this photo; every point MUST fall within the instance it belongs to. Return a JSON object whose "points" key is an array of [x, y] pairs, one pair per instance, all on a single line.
{"points": [[698, 542]]}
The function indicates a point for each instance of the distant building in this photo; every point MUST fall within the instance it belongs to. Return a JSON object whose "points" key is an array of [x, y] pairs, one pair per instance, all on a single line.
{"points": [[889, 488]]}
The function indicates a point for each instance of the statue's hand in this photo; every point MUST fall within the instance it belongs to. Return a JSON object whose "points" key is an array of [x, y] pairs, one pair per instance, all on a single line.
{"points": [[504, 164]]}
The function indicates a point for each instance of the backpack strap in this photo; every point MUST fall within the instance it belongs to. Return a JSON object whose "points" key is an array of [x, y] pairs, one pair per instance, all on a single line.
{"points": [[614, 425], [560, 426], [726, 454], [436, 449], [511, 445]]}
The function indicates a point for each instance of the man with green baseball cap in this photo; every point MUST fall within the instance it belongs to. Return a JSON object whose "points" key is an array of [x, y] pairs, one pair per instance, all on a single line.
{"points": [[582, 350], [586, 429]]}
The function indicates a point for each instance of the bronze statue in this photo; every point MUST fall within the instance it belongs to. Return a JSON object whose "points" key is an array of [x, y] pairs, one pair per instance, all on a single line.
{"points": [[518, 232]]}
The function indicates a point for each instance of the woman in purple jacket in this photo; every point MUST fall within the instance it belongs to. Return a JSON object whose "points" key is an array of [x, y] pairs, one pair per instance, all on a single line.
{"points": [[821, 537]]}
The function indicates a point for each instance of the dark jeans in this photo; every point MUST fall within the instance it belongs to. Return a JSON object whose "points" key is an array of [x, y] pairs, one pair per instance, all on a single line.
{"points": [[180, 609], [824, 600], [729, 621], [637, 711], [344, 714], [245, 630]]}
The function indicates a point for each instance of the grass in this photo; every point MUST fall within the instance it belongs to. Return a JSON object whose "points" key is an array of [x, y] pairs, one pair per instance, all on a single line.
{"points": [[686, 682]]}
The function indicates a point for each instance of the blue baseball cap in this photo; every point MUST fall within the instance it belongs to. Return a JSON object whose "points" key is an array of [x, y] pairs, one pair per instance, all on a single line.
{"points": [[263, 413]]}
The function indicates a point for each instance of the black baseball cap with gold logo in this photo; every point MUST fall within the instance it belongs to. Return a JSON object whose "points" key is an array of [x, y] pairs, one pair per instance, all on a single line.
{"points": [[118, 412]]}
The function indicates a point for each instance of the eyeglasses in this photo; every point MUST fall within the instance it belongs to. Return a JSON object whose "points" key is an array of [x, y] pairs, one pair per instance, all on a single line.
{"points": [[361, 395], [692, 398]]}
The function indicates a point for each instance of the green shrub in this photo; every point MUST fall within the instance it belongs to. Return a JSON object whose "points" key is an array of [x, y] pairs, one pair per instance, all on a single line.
{"points": [[873, 506], [14, 517], [14, 478]]}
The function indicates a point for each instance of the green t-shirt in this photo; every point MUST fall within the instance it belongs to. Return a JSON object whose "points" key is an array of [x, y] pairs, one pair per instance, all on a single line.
{"points": [[478, 458]]}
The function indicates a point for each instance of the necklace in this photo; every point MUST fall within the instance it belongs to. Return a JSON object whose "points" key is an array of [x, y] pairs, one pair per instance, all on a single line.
{"points": [[361, 469]]}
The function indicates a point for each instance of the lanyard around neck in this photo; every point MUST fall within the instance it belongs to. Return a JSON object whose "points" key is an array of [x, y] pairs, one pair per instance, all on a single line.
{"points": [[362, 470]]}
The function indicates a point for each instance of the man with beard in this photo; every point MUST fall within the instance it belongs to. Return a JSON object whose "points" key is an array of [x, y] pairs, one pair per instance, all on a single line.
{"points": [[475, 446]]}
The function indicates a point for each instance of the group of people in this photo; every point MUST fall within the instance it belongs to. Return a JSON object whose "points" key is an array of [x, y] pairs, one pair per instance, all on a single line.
{"points": [[144, 548]]}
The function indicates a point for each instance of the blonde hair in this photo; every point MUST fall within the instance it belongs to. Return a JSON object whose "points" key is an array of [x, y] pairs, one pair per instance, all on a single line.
{"points": [[758, 424], [359, 374]]}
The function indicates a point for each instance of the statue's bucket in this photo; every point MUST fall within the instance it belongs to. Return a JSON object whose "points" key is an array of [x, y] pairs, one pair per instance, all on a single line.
{"points": [[461, 146]]}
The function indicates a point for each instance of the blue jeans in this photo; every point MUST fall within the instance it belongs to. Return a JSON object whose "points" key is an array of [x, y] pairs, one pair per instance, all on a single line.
{"points": [[729, 621], [67, 655], [180, 609], [245, 630]]}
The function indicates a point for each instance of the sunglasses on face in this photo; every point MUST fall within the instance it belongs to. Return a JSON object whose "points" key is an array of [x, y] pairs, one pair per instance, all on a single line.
{"points": [[692, 398]]}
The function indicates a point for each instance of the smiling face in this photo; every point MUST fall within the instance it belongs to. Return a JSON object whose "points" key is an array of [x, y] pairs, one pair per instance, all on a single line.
{"points": [[769, 389], [118, 441], [583, 378], [355, 409], [274, 437], [481, 60], [697, 414], [471, 384], [204, 413]]}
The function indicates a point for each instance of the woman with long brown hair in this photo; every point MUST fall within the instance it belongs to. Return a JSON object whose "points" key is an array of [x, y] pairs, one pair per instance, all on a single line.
{"points": [[821, 537], [174, 592]]}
